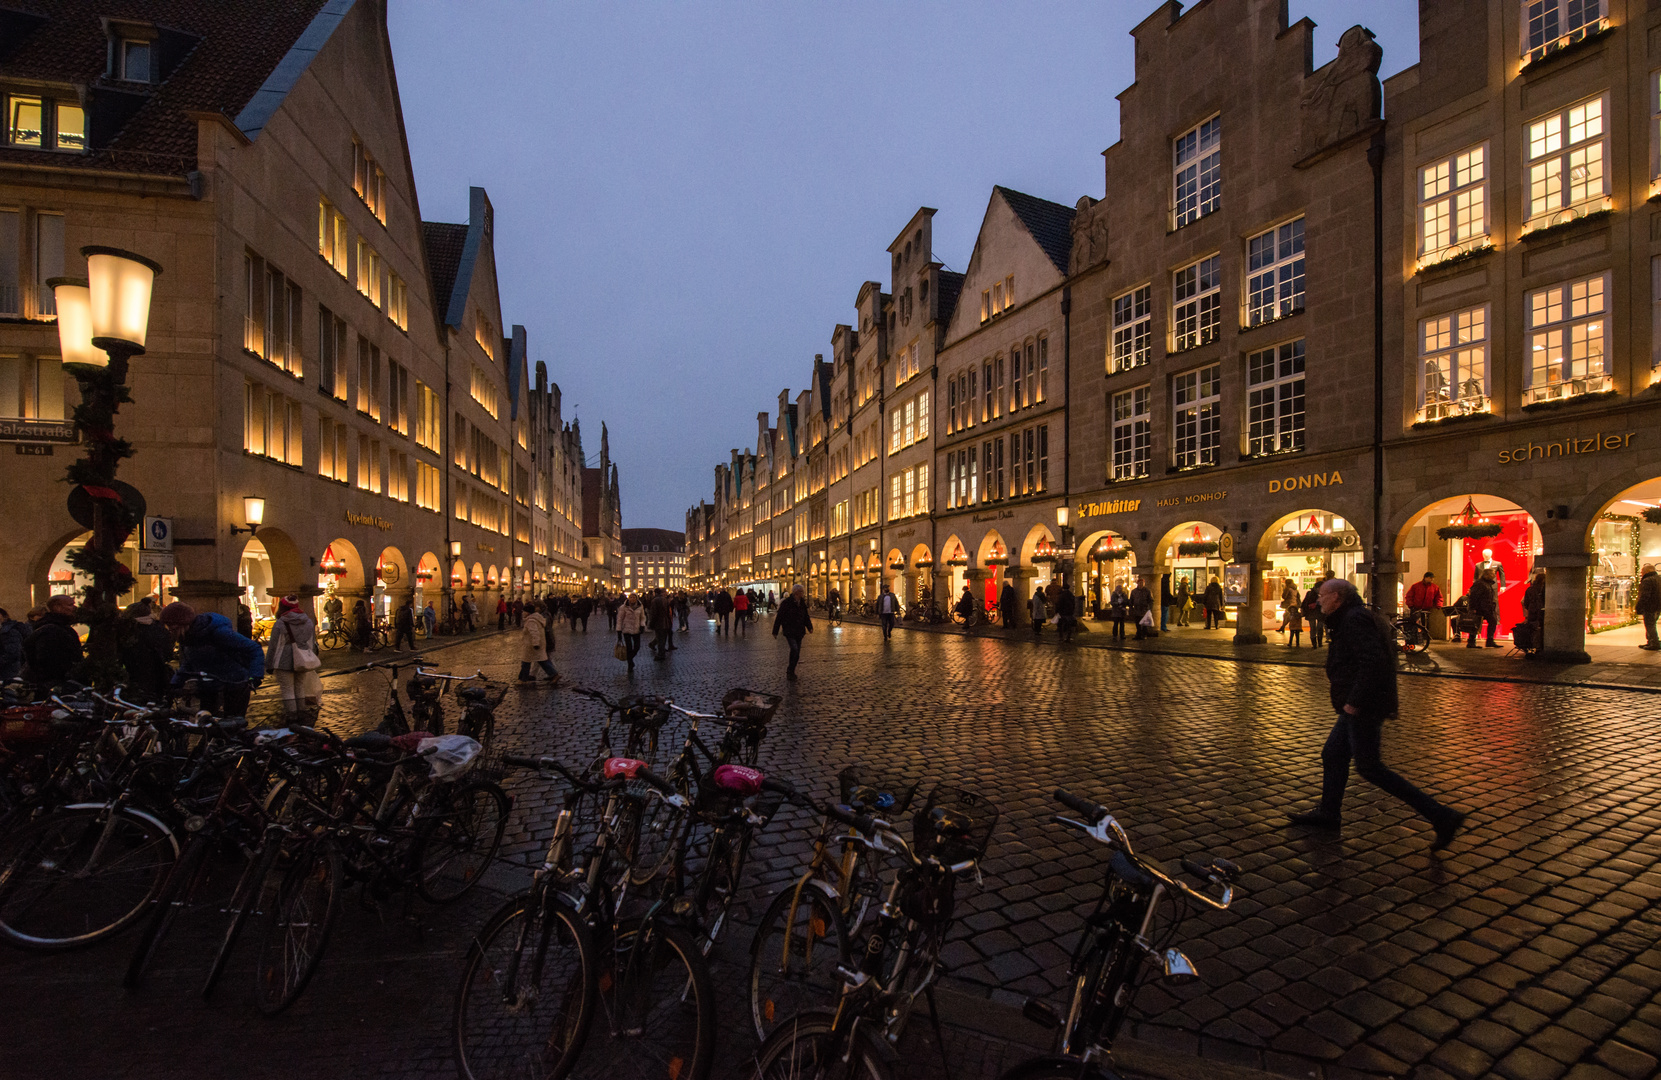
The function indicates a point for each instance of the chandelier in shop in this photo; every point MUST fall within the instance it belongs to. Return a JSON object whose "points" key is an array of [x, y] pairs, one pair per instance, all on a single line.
{"points": [[1468, 524]]}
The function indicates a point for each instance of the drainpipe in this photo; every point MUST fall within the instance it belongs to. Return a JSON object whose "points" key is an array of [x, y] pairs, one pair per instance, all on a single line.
{"points": [[1375, 158], [448, 450], [1067, 413]]}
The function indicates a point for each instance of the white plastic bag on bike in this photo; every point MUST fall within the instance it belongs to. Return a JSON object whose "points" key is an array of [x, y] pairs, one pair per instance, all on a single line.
{"points": [[448, 755]]}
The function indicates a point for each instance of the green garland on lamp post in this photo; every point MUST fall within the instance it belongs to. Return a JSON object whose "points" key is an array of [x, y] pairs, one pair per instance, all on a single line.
{"points": [[108, 313]]}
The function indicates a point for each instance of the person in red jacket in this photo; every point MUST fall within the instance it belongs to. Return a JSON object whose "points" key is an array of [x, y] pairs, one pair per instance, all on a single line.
{"points": [[1425, 594]]}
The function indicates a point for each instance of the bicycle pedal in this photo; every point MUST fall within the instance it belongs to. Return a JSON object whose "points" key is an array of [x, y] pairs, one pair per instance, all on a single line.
{"points": [[1041, 1013]]}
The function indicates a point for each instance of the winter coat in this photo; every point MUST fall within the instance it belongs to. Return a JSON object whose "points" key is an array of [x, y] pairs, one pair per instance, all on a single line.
{"points": [[1166, 597], [1534, 600], [1141, 601], [793, 618], [1312, 606], [211, 646], [12, 634], [291, 628], [1214, 597], [1649, 594], [403, 618], [723, 602], [888, 604], [1118, 603], [631, 618], [659, 614], [1484, 601], [146, 648], [1424, 596], [1038, 608], [1065, 605], [1009, 606], [52, 649], [533, 647], [1360, 666]]}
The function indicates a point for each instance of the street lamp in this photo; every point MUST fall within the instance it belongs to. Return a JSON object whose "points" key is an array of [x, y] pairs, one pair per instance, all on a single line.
{"points": [[455, 549], [1063, 524], [108, 311], [253, 512]]}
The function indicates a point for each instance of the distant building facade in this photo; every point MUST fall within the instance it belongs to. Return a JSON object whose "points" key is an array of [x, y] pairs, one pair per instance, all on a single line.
{"points": [[654, 559]]}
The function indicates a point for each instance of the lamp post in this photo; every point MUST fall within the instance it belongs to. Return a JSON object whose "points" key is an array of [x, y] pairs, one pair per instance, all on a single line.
{"points": [[1063, 524], [103, 322]]}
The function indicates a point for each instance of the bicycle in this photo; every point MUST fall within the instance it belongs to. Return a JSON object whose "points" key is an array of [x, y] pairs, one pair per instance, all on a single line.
{"points": [[951, 833], [557, 970], [1412, 631], [1119, 939]]}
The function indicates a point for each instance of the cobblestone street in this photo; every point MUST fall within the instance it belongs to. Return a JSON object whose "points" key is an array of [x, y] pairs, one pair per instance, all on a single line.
{"points": [[1528, 950]]}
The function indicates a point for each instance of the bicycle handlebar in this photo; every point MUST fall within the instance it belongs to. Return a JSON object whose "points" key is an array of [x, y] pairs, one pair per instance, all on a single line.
{"points": [[1092, 812], [865, 823]]}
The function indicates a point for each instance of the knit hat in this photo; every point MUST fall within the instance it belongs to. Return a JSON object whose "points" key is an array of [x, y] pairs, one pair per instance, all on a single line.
{"points": [[178, 613], [288, 604]]}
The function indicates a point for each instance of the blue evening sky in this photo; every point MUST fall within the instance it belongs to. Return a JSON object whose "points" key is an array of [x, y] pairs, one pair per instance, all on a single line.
{"points": [[688, 195]]}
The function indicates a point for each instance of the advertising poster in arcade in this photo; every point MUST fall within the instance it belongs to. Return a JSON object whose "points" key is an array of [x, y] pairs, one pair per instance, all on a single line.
{"points": [[1510, 555]]}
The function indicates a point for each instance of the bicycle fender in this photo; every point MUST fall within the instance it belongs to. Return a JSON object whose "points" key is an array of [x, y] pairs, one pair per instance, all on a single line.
{"points": [[136, 812]]}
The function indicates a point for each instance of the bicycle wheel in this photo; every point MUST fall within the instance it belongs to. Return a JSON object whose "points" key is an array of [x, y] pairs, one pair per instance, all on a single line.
{"points": [[245, 900], [1058, 1068], [655, 1014], [527, 992], [807, 1045], [297, 923], [649, 839], [457, 845], [81, 875], [794, 955], [176, 892]]}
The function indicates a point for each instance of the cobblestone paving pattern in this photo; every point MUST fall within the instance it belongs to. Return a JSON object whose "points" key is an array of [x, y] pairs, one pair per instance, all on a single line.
{"points": [[1529, 950]]}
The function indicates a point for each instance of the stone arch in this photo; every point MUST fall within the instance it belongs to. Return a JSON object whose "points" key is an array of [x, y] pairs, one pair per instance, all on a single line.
{"points": [[1622, 541], [475, 579], [1456, 561], [289, 572], [257, 577], [990, 544], [344, 554], [427, 572], [1285, 557], [40, 571], [1036, 535], [1097, 576], [458, 575]]}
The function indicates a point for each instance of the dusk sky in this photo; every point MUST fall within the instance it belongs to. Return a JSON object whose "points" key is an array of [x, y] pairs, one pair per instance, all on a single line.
{"points": [[688, 196]]}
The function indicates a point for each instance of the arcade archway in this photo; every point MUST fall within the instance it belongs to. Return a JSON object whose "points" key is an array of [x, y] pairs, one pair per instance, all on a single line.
{"points": [[1192, 554], [1460, 537], [1298, 551], [1625, 537], [1105, 562]]}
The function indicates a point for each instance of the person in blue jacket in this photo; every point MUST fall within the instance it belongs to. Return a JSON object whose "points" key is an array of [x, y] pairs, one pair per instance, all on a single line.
{"points": [[210, 645]]}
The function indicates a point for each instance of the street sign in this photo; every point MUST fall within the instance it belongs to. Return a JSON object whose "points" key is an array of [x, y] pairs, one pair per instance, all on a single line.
{"points": [[1225, 548], [158, 534], [155, 562], [80, 502]]}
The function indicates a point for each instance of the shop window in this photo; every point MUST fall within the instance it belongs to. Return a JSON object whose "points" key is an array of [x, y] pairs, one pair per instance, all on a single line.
{"points": [[1132, 433], [1132, 329], [1275, 399], [1566, 155], [1453, 205], [1549, 25], [1566, 336], [1196, 420], [1274, 273], [1196, 316], [1453, 355], [1197, 172], [31, 388]]}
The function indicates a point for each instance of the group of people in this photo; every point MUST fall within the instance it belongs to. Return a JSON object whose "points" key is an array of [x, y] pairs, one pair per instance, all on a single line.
{"points": [[733, 610]]}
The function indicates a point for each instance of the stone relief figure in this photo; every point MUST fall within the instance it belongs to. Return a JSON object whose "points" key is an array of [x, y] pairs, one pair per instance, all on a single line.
{"points": [[1089, 236], [1345, 98]]}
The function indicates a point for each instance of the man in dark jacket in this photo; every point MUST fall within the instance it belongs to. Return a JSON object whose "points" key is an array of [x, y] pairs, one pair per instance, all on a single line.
{"points": [[1167, 600], [1009, 606], [1066, 610], [145, 648], [1485, 605], [1361, 668], [12, 634], [660, 620], [1649, 605], [1141, 602], [211, 646], [796, 622], [53, 648], [723, 611], [403, 623]]}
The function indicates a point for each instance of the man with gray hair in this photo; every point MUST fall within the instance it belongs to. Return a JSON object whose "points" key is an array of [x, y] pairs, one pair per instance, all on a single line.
{"points": [[1361, 668]]}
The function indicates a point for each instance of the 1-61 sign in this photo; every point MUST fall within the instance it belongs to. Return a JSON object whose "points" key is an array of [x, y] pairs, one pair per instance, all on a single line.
{"points": [[158, 534]]}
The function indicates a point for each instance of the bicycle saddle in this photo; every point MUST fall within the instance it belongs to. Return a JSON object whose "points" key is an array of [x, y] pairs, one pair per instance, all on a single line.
{"points": [[738, 779], [471, 693], [628, 768], [370, 740]]}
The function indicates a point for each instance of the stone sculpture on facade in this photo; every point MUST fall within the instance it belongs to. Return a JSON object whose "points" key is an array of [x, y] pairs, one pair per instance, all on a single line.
{"points": [[1345, 98], [1089, 236]]}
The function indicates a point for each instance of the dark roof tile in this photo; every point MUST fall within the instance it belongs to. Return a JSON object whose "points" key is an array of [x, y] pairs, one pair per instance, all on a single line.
{"points": [[949, 289], [1051, 224], [444, 243]]}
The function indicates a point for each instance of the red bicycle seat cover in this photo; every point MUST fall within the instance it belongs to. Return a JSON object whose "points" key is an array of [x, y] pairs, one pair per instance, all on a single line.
{"points": [[625, 767], [738, 779]]}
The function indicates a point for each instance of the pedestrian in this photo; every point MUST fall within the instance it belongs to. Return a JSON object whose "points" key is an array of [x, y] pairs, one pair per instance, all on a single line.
{"points": [[1118, 609], [1317, 625], [966, 606], [741, 610], [1214, 616], [796, 622], [403, 624], [1009, 606], [1424, 595], [612, 604], [146, 648], [1289, 601], [1184, 600], [631, 620], [1294, 617], [585, 608], [1039, 611], [1066, 609], [1361, 668], [429, 616], [723, 611], [333, 610], [1534, 610], [516, 611], [535, 639], [227, 665], [12, 635], [1167, 600], [1648, 606], [1141, 608], [470, 613], [53, 648], [244, 620], [683, 612], [291, 655], [1483, 598], [501, 614], [362, 626], [660, 620], [888, 609]]}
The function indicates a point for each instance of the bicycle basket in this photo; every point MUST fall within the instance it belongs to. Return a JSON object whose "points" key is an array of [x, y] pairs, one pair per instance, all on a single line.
{"points": [[24, 727], [953, 825], [751, 706], [886, 796], [928, 899]]}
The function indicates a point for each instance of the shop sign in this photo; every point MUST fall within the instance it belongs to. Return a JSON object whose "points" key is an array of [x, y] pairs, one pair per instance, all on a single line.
{"points": [[996, 515], [155, 562], [901, 535], [1600, 441], [41, 431], [1112, 506], [1304, 483], [380, 523], [486, 548], [1225, 547], [1190, 500]]}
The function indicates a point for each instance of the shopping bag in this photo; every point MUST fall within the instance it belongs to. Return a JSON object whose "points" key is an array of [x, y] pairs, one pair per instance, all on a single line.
{"points": [[1146, 620], [621, 651]]}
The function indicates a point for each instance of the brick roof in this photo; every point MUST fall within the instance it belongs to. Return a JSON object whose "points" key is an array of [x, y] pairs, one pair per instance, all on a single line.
{"points": [[1051, 224], [653, 540], [221, 51], [444, 243]]}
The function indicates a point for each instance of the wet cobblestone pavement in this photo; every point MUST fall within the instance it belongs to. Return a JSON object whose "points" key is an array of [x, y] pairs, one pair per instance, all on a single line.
{"points": [[1530, 949]]}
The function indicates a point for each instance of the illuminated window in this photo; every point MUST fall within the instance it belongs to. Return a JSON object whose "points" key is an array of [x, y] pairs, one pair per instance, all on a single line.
{"points": [[271, 425], [1548, 25], [1132, 433], [1275, 399], [71, 133], [333, 242], [1453, 368], [426, 486], [333, 441], [369, 272], [1453, 202], [1566, 338], [397, 303], [369, 181], [1274, 273], [1197, 412], [1132, 329], [1197, 172], [1566, 153], [1196, 312]]}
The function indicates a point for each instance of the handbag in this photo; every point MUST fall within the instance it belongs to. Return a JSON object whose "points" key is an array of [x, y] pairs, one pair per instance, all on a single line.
{"points": [[621, 651], [304, 659]]}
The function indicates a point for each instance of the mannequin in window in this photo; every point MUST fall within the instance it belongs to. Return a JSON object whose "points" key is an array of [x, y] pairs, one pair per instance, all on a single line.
{"points": [[1488, 563]]}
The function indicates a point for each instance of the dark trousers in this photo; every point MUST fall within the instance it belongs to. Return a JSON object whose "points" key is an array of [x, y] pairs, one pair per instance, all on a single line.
{"points": [[1213, 619], [1649, 630], [1357, 738], [887, 627], [660, 643], [545, 665], [403, 635], [726, 623], [225, 699], [796, 650], [1119, 625], [1141, 631], [739, 618], [1317, 633], [584, 620], [1493, 625], [632, 643], [501, 620]]}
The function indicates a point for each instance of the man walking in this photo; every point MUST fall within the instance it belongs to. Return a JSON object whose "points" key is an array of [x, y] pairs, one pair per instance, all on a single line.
{"points": [[660, 620], [888, 608], [1649, 605], [403, 624], [1485, 605], [1361, 669], [1141, 603], [723, 611], [796, 622]]}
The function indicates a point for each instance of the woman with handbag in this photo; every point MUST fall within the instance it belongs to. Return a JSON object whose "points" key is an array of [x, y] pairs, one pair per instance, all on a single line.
{"points": [[631, 622], [291, 654]]}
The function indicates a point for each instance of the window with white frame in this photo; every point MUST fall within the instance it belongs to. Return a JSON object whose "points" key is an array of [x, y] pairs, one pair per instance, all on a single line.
{"points": [[1132, 433], [1196, 313], [1196, 416], [1197, 172], [1549, 25], [1275, 399], [1453, 364], [1567, 329], [1566, 156], [1274, 273], [1132, 329], [1453, 203]]}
